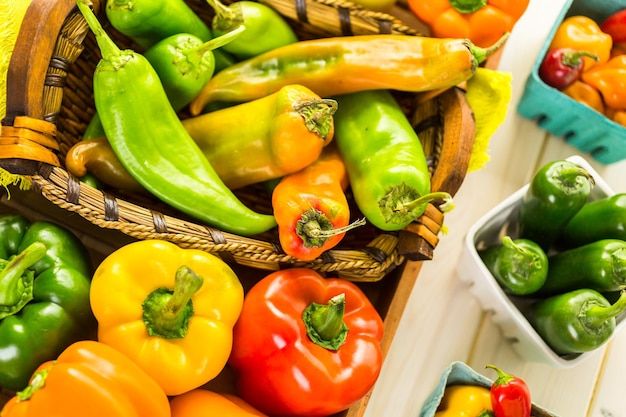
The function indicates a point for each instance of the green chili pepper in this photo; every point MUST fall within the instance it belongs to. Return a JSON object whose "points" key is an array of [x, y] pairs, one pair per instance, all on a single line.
{"points": [[147, 22], [384, 159], [150, 141], [266, 28], [600, 265], [45, 275], [557, 191], [599, 219], [577, 321], [185, 64], [520, 266]]}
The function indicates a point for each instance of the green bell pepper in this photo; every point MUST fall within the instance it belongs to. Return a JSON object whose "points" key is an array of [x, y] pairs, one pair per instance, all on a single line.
{"points": [[45, 276]]}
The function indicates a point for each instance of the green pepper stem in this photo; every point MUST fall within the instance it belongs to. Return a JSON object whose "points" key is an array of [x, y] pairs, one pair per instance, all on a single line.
{"points": [[468, 6], [167, 313], [324, 323], [427, 198], [526, 253], [16, 282], [596, 315], [568, 175], [481, 54], [218, 42], [226, 17], [108, 48], [37, 382], [503, 377], [314, 228], [318, 115], [573, 58]]}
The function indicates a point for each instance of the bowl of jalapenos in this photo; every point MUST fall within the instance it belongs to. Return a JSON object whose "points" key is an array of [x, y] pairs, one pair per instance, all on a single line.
{"points": [[539, 265]]}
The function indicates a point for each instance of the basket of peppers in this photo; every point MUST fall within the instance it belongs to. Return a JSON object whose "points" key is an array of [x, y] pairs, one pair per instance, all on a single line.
{"points": [[267, 134]]}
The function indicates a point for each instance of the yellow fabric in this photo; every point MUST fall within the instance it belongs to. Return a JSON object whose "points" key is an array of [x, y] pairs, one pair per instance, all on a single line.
{"points": [[11, 16], [489, 95]]}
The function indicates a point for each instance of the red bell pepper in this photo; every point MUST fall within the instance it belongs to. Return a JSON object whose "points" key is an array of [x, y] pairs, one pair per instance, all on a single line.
{"points": [[615, 26], [305, 345], [510, 396]]}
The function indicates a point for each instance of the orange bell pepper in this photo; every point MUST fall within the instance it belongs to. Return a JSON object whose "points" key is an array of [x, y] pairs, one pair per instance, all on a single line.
{"points": [[306, 345], [585, 94], [169, 309], [583, 33], [311, 208], [482, 22], [610, 79], [204, 403], [89, 379]]}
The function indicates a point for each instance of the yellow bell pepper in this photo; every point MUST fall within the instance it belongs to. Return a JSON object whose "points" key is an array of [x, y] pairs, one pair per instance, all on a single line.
{"points": [[465, 401], [169, 309], [201, 402]]}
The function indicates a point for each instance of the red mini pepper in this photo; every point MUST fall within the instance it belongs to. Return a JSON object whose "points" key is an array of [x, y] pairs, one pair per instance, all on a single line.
{"points": [[561, 67], [311, 207], [305, 345], [510, 396], [615, 26]]}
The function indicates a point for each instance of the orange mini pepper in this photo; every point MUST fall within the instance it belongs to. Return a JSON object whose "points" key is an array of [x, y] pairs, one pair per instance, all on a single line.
{"points": [[610, 79], [583, 33], [205, 403], [618, 116], [89, 379], [481, 21], [585, 94], [311, 208]]}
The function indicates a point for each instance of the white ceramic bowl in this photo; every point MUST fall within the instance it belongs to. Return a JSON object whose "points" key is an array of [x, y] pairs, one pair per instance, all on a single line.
{"points": [[508, 312]]}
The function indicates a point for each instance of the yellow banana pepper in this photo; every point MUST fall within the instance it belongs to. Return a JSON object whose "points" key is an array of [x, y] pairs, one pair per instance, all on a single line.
{"points": [[171, 310], [465, 401]]}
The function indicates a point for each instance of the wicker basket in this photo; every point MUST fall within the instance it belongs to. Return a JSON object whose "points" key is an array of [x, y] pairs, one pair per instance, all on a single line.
{"points": [[50, 102]]}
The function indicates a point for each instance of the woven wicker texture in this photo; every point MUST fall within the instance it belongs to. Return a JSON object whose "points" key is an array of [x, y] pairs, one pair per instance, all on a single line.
{"points": [[53, 90]]}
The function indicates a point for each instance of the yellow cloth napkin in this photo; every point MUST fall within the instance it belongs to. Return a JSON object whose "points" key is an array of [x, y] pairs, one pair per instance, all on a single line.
{"points": [[489, 95], [11, 15]]}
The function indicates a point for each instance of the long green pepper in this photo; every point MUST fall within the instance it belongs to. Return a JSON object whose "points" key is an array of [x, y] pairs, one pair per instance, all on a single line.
{"points": [[149, 139], [384, 158]]}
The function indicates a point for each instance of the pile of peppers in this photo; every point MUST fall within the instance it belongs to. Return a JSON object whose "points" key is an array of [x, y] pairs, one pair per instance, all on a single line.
{"points": [[586, 60], [567, 260], [227, 111]]}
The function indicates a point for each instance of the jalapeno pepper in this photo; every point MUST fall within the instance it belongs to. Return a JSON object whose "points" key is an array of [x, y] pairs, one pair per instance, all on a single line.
{"points": [[599, 219], [520, 266], [577, 321], [555, 194], [153, 145], [600, 265], [384, 158]]}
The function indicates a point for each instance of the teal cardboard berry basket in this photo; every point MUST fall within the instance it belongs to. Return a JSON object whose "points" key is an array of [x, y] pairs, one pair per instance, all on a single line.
{"points": [[577, 124]]}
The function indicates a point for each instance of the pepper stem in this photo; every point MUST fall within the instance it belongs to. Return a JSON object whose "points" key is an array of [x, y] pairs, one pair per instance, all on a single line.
{"points": [[17, 281], [468, 6], [569, 176], [503, 377], [108, 48], [314, 228], [573, 57], [481, 54], [318, 115], [167, 313], [525, 253], [596, 315], [37, 382], [218, 42], [226, 17], [427, 198], [324, 323]]}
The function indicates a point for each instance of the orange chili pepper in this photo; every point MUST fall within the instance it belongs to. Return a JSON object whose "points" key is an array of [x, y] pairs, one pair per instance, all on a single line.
{"points": [[201, 402], [89, 379], [583, 33], [482, 22], [311, 208], [610, 79], [586, 94]]}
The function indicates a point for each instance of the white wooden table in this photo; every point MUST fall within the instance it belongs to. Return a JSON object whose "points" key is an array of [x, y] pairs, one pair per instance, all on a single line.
{"points": [[443, 322]]}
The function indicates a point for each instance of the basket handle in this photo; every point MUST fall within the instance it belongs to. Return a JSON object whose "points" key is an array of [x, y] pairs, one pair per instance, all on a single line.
{"points": [[31, 56]]}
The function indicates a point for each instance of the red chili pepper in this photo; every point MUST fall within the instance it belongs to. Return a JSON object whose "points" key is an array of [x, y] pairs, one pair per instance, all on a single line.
{"points": [[615, 26], [562, 66], [510, 396]]}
